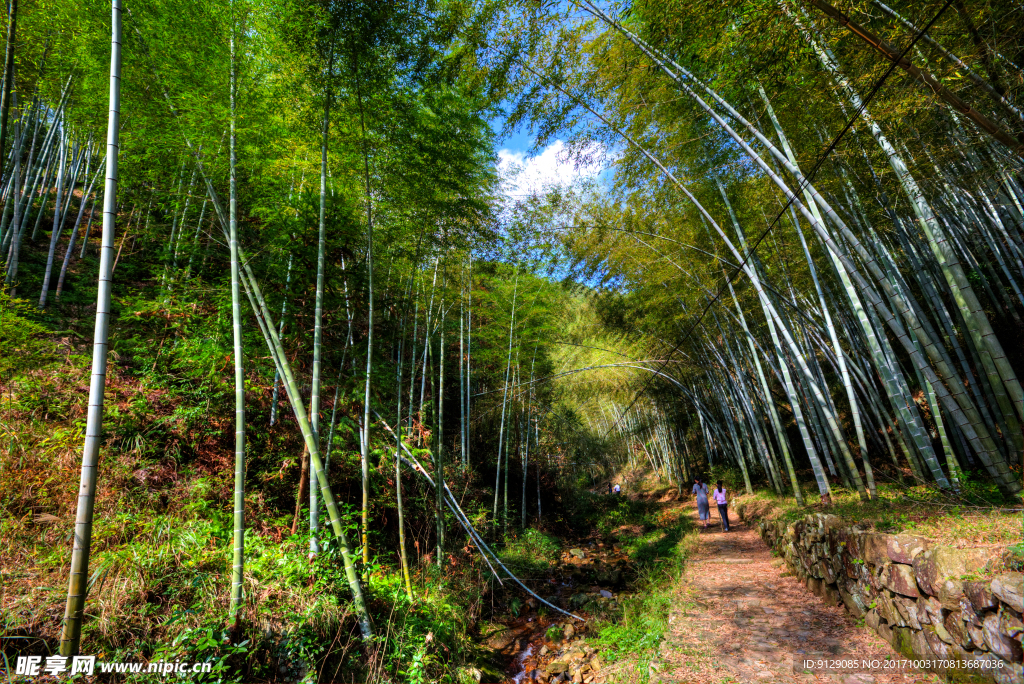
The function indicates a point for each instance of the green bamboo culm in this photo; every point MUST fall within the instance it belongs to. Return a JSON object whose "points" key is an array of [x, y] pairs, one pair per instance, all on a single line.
{"points": [[238, 557], [267, 327], [71, 631], [314, 401]]}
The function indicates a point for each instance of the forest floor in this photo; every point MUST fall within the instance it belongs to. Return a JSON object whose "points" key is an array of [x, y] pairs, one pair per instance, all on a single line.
{"points": [[739, 616]]}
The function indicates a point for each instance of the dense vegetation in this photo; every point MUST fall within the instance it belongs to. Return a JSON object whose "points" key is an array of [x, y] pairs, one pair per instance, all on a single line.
{"points": [[328, 371]]}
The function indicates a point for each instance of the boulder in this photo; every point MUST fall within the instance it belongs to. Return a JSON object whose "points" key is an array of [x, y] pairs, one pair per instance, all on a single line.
{"points": [[1010, 623], [888, 610], [981, 662], [827, 570], [468, 675], [851, 601], [980, 596], [871, 619], [956, 626], [977, 634], [903, 548], [854, 567], [886, 632], [908, 610], [502, 639], [918, 643], [830, 594], [941, 631], [1009, 588], [875, 573], [1003, 646], [900, 578], [875, 550], [1013, 673], [936, 644], [950, 592], [969, 614], [935, 564], [931, 607], [577, 553], [557, 666]]}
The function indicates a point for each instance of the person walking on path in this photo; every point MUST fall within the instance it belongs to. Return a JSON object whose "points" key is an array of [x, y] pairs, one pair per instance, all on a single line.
{"points": [[723, 504], [700, 490]]}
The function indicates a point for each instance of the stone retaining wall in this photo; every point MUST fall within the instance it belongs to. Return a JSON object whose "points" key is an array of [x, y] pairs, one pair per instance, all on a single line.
{"points": [[916, 595]]}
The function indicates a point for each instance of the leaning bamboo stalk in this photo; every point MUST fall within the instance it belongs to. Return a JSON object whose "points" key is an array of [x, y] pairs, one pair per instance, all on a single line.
{"points": [[481, 545], [1001, 98], [265, 322], [953, 397], [267, 328], [57, 224], [997, 367], [74, 234], [895, 56]]}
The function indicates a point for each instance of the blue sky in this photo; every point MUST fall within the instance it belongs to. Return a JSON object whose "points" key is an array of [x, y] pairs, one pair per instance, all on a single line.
{"points": [[525, 173]]}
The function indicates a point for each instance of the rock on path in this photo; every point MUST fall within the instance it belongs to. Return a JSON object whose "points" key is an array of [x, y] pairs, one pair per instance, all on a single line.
{"points": [[740, 617]]}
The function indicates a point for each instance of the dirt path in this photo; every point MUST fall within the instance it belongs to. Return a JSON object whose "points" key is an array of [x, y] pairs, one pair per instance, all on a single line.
{"points": [[740, 617]]}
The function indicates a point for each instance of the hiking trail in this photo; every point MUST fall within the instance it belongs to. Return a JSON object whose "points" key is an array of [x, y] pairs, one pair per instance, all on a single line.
{"points": [[742, 617]]}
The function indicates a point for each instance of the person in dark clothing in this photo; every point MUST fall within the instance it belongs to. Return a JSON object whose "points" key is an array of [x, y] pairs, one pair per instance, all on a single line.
{"points": [[723, 504]]}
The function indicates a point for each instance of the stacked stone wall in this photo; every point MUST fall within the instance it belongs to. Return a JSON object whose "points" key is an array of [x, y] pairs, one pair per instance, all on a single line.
{"points": [[918, 596]]}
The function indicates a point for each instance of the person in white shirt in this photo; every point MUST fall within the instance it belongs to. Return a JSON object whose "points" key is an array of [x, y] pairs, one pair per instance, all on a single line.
{"points": [[723, 505]]}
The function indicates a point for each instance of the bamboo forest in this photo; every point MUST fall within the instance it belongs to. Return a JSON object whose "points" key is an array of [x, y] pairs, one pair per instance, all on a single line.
{"points": [[392, 341]]}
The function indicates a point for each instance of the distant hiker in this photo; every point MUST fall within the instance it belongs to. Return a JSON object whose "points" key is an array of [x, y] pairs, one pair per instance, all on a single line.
{"points": [[700, 490], [609, 487], [617, 489], [723, 504]]}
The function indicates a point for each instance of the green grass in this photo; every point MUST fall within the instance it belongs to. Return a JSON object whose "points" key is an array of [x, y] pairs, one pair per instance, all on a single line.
{"points": [[977, 515], [529, 552], [659, 540], [160, 564]]}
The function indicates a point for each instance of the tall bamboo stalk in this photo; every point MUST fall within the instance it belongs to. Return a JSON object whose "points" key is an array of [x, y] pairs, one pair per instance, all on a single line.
{"points": [[504, 400], [314, 401], [77, 585], [238, 562], [5, 97], [365, 449]]}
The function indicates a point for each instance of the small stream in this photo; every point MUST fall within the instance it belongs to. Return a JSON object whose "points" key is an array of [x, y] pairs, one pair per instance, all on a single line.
{"points": [[586, 581]]}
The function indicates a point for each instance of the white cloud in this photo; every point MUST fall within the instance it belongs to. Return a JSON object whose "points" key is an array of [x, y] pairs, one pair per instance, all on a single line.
{"points": [[522, 175]]}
